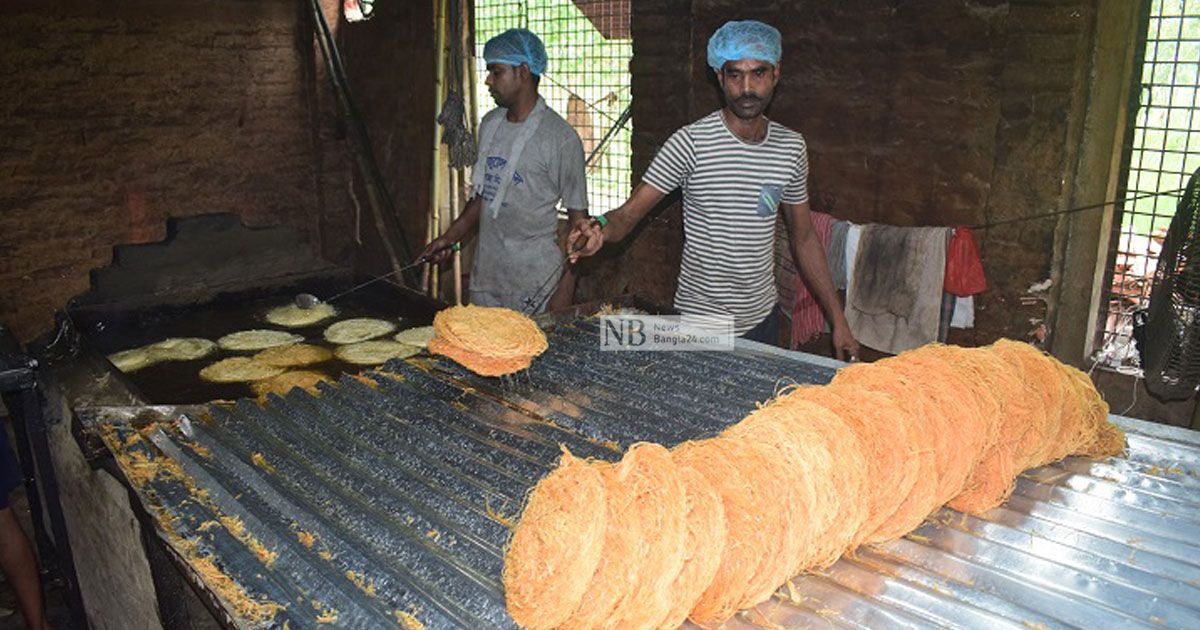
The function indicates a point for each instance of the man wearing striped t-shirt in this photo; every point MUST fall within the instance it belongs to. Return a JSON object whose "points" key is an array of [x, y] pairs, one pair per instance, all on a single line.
{"points": [[736, 168]]}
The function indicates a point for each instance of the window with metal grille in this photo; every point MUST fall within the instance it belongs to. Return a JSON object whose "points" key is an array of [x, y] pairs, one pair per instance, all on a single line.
{"points": [[1161, 151], [587, 80]]}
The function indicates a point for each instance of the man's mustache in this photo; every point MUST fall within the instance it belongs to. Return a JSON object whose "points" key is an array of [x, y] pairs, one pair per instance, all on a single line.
{"points": [[750, 98]]}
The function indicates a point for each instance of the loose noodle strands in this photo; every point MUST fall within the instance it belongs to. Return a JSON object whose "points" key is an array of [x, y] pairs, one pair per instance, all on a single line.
{"points": [[556, 546], [1097, 437], [723, 463], [659, 504], [797, 503], [1076, 428], [1110, 441], [1040, 377], [882, 426], [705, 542], [1073, 429], [926, 441]]}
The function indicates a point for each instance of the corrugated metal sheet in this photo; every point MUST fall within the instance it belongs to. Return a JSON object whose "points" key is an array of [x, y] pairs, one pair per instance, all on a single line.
{"points": [[398, 496]]}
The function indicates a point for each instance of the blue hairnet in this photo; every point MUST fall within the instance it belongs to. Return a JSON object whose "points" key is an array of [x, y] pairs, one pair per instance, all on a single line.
{"points": [[750, 39], [514, 47]]}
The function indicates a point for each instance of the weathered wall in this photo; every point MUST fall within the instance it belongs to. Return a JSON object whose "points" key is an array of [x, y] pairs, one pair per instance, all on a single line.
{"points": [[115, 116], [916, 113], [390, 61]]}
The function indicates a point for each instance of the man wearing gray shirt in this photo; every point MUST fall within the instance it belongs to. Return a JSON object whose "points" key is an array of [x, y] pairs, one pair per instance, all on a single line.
{"points": [[529, 160]]}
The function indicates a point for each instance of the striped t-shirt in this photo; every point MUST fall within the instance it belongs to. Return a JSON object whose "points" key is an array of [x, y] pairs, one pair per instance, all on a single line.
{"points": [[731, 191]]}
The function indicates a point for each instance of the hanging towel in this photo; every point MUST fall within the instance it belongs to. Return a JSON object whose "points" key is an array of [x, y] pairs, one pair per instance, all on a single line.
{"points": [[945, 315], [895, 296], [853, 236], [836, 254], [964, 312], [807, 319]]}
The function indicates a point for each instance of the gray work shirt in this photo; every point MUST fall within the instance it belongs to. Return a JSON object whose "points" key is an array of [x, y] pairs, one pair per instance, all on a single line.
{"points": [[518, 248]]}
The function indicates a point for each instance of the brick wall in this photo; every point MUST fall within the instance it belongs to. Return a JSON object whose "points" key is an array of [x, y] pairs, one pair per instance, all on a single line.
{"points": [[115, 116], [916, 113]]}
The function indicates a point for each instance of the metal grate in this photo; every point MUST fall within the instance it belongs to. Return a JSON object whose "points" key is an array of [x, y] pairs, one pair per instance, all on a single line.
{"points": [[1162, 150], [587, 82], [393, 501]]}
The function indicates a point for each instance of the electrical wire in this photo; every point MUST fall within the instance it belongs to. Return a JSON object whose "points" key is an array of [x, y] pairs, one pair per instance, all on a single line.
{"points": [[1093, 206]]}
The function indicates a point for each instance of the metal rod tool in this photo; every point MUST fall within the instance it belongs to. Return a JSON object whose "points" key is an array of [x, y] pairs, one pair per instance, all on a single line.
{"points": [[307, 300]]}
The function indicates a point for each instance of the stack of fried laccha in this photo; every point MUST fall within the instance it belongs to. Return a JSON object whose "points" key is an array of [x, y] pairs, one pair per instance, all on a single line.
{"points": [[715, 525], [490, 341]]}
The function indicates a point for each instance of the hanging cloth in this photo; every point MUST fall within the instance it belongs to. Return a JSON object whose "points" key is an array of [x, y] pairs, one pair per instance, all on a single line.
{"points": [[895, 298], [807, 320], [964, 269], [836, 253]]}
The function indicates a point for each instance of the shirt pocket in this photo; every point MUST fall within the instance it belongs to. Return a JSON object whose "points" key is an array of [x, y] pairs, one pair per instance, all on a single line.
{"points": [[769, 196]]}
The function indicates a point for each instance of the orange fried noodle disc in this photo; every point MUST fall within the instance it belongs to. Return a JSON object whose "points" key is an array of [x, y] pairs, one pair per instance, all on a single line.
{"points": [[705, 542], [659, 499], [781, 444], [556, 546], [478, 363], [965, 433], [924, 431], [992, 480], [961, 367], [643, 543], [845, 485], [1042, 382], [752, 529], [490, 341], [882, 427]]}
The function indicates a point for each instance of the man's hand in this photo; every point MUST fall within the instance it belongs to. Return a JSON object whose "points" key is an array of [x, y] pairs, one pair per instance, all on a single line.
{"points": [[585, 239], [438, 251], [845, 346]]}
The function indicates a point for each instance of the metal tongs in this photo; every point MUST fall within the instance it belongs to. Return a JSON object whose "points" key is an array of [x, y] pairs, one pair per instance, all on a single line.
{"points": [[532, 303]]}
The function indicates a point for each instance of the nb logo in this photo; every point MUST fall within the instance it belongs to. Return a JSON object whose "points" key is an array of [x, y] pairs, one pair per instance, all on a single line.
{"points": [[624, 332]]}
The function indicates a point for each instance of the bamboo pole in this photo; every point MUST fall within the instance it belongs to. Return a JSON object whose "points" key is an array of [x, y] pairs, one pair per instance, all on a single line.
{"points": [[455, 208], [430, 275], [471, 92], [464, 31]]}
